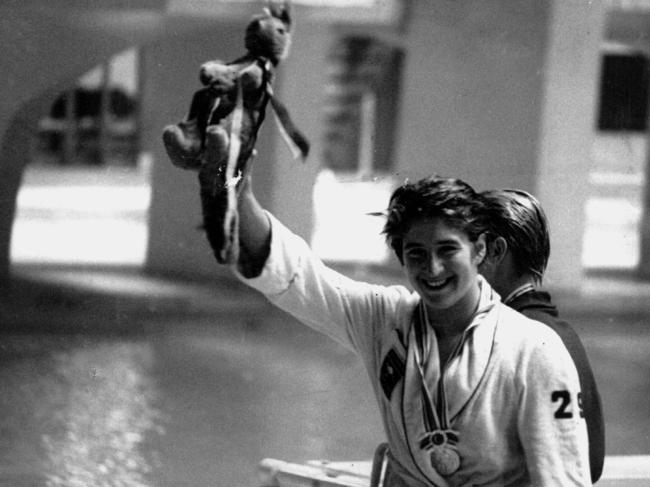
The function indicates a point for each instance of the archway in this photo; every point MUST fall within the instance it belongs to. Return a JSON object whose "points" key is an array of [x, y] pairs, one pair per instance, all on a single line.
{"points": [[85, 188]]}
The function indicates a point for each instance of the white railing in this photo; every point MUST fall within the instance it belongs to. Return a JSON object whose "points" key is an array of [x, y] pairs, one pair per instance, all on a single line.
{"points": [[620, 470]]}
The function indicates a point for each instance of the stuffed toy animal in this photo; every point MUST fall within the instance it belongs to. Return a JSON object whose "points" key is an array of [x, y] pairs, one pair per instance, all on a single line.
{"points": [[217, 137]]}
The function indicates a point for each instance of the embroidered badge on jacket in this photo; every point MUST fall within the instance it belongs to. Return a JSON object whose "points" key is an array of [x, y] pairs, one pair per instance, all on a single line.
{"points": [[391, 372]]}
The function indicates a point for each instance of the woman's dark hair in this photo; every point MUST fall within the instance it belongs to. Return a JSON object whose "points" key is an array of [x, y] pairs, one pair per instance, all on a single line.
{"points": [[452, 200], [518, 217]]}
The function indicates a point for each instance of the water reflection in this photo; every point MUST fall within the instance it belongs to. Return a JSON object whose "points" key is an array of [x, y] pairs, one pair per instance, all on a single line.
{"points": [[88, 408]]}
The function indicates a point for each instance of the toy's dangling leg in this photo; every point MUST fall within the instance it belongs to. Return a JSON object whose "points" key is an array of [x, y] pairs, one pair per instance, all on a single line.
{"points": [[219, 180], [231, 217], [184, 141], [183, 144]]}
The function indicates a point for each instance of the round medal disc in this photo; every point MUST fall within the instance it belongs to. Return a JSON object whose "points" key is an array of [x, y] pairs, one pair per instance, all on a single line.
{"points": [[445, 459]]}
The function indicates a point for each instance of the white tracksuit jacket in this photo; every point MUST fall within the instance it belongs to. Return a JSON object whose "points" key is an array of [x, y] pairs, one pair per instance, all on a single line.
{"points": [[512, 389]]}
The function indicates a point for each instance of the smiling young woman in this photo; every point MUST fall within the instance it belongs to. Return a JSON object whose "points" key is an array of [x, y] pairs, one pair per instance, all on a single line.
{"points": [[441, 264], [470, 391]]}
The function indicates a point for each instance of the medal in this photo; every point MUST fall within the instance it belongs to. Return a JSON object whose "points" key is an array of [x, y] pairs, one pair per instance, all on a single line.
{"points": [[440, 445], [440, 441]]}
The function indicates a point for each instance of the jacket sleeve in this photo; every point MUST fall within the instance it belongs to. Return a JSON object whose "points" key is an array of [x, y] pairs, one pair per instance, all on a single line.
{"points": [[298, 282], [551, 421]]}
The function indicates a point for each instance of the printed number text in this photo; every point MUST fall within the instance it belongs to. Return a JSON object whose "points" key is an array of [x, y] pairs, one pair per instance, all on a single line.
{"points": [[564, 409]]}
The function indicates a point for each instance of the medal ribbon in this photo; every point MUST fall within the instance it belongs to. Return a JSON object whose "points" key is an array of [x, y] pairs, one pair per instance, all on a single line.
{"points": [[439, 441], [436, 418]]}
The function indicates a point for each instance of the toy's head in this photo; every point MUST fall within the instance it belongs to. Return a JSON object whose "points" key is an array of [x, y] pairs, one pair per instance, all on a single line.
{"points": [[269, 34]]}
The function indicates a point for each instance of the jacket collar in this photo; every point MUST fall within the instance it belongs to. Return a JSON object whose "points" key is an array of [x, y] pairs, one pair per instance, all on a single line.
{"points": [[534, 300]]}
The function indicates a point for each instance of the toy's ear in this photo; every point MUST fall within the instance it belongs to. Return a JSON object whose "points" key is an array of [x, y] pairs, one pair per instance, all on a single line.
{"points": [[281, 10]]}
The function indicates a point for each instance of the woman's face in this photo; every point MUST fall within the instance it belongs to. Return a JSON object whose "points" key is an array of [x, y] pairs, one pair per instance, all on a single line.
{"points": [[441, 264]]}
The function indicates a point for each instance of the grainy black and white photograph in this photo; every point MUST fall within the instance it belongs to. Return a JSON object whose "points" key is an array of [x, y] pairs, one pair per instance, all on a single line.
{"points": [[324, 243]]}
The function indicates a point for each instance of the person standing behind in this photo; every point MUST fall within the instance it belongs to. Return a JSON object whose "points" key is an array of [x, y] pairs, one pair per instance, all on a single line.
{"points": [[518, 252]]}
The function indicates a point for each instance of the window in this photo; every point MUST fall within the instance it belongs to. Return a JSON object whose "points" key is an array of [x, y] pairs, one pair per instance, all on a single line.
{"points": [[624, 93], [361, 106], [96, 121]]}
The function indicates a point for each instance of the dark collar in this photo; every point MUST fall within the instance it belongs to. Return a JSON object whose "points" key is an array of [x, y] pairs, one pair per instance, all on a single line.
{"points": [[534, 300]]}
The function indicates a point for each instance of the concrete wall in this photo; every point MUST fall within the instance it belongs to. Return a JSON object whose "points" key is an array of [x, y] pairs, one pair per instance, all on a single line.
{"points": [[301, 88], [571, 73], [473, 91]]}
